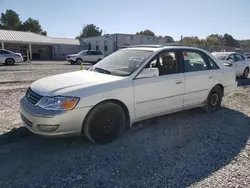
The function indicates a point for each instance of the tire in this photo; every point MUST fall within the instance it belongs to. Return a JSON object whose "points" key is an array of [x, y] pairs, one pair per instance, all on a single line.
{"points": [[104, 123], [78, 61], [9, 61], [214, 99], [245, 73]]}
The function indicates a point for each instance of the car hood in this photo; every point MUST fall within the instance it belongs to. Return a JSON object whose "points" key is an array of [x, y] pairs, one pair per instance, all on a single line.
{"points": [[73, 55], [54, 85]]}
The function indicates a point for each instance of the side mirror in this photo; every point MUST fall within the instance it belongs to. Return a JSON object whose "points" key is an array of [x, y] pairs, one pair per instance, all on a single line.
{"points": [[85, 54], [148, 72], [227, 63]]}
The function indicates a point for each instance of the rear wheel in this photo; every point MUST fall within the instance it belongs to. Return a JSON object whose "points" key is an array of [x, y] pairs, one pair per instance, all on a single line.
{"points": [[72, 62], [245, 73], [9, 61], [104, 123], [214, 99]]}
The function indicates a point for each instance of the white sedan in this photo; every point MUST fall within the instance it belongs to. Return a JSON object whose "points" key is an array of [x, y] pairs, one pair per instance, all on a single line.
{"points": [[10, 58], [238, 61], [127, 86]]}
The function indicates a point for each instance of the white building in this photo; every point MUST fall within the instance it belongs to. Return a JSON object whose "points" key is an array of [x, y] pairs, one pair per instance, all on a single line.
{"points": [[38, 46], [112, 42]]}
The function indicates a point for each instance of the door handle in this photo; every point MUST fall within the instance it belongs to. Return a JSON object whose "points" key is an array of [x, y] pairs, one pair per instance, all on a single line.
{"points": [[210, 77], [178, 81]]}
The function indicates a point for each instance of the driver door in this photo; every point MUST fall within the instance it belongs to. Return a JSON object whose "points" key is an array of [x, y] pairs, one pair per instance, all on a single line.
{"points": [[160, 94]]}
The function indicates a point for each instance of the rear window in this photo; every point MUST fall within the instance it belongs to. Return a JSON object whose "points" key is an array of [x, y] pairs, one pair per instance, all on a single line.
{"points": [[94, 53]]}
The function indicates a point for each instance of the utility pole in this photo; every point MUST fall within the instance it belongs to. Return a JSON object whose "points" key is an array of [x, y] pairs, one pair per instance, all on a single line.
{"points": [[181, 39]]}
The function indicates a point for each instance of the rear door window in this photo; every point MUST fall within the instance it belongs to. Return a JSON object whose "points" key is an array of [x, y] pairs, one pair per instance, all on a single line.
{"points": [[90, 53], [98, 53]]}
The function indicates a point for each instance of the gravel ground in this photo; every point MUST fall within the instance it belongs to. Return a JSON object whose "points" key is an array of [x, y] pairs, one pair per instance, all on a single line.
{"points": [[185, 149], [35, 70]]}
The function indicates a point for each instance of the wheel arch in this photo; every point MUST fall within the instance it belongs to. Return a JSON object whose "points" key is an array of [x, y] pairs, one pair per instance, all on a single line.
{"points": [[78, 58], [9, 58], [221, 87], [115, 101]]}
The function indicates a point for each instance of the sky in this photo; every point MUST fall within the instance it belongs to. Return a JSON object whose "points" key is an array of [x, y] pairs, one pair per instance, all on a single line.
{"points": [[63, 18]]}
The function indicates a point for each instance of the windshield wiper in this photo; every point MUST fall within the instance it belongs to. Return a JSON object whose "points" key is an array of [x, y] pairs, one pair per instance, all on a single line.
{"points": [[102, 70]]}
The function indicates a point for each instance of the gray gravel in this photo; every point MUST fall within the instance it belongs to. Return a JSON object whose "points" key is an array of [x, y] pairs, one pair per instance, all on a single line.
{"points": [[189, 148], [35, 70]]}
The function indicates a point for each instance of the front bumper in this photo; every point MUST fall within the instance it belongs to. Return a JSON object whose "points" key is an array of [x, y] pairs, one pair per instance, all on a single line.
{"points": [[69, 123], [70, 59]]}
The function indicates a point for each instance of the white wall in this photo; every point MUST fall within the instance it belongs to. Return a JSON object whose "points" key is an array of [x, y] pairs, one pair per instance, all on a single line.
{"points": [[122, 40], [110, 40], [60, 51], [125, 39]]}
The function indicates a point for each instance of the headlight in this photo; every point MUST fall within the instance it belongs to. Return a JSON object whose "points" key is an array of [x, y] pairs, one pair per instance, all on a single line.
{"points": [[58, 103]]}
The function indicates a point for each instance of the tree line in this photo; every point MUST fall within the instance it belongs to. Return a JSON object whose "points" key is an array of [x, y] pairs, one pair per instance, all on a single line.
{"points": [[10, 21]]}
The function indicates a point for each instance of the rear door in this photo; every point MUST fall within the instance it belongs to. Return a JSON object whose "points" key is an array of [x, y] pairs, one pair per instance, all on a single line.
{"points": [[199, 72], [241, 61], [89, 56], [99, 55]]}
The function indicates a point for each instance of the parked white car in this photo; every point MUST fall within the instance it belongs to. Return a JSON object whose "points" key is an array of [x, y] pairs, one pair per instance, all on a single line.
{"points": [[10, 58], [237, 60], [127, 86], [92, 56]]}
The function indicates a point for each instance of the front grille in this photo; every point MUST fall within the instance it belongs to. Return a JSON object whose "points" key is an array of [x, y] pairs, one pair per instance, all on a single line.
{"points": [[33, 97], [26, 121]]}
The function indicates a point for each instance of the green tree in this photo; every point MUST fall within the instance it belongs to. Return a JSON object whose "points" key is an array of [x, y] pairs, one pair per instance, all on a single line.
{"points": [[168, 39], [215, 39], [190, 40], [90, 30], [146, 32], [33, 26], [10, 20], [230, 41]]}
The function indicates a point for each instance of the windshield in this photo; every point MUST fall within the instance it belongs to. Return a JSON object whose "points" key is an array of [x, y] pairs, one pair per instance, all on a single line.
{"points": [[81, 52], [221, 57], [122, 62]]}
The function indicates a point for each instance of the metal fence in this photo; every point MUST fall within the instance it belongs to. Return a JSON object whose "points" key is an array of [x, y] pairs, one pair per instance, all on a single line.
{"points": [[218, 48]]}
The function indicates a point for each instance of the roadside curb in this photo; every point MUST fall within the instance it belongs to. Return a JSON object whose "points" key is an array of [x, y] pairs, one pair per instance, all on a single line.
{"points": [[14, 135]]}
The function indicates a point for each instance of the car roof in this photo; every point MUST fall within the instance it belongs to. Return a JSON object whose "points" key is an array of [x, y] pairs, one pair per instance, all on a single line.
{"points": [[6, 50], [158, 47], [222, 53]]}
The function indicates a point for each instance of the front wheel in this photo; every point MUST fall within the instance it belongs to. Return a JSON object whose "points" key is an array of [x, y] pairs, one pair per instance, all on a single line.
{"points": [[105, 123], [214, 99], [245, 73], [78, 61]]}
